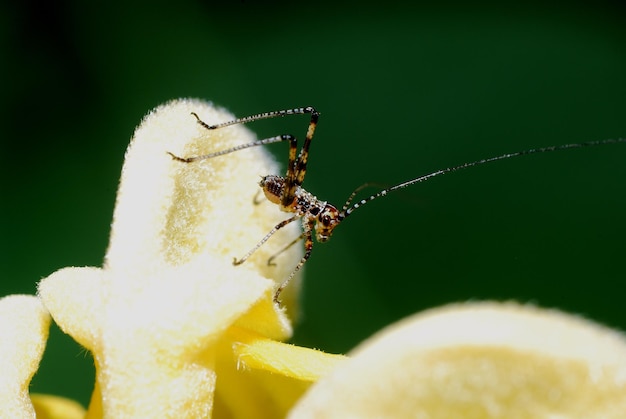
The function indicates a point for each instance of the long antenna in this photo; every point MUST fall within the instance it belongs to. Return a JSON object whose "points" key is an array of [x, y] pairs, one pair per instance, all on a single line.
{"points": [[346, 210]]}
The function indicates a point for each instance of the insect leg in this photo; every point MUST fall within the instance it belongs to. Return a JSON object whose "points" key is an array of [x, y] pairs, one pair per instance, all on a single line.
{"points": [[257, 117], [308, 247], [270, 261], [277, 139], [296, 170], [258, 198], [264, 239]]}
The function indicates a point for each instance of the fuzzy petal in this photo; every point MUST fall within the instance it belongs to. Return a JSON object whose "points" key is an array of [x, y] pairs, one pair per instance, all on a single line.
{"points": [[24, 325], [482, 360], [155, 315]]}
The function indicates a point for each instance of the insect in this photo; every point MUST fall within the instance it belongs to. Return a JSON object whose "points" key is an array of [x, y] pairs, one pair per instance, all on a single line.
{"points": [[320, 216]]}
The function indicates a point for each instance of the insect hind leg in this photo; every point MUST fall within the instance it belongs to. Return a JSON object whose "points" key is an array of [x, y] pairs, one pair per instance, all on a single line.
{"points": [[265, 141], [296, 166]]}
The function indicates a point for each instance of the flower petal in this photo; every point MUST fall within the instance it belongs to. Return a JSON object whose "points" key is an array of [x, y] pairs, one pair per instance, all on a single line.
{"points": [[55, 407], [486, 360], [24, 325], [304, 364], [169, 212], [155, 314], [263, 378]]}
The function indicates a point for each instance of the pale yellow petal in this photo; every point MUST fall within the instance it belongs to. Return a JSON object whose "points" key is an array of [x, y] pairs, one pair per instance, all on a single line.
{"points": [[169, 212], [24, 325], [55, 407], [481, 360], [256, 352], [154, 314], [74, 297], [244, 393], [262, 378]]}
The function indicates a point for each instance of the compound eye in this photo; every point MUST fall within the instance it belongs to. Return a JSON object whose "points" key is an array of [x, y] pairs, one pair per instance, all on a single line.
{"points": [[325, 219]]}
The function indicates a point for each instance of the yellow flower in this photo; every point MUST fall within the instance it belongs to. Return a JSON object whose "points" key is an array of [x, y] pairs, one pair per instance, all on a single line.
{"points": [[175, 329], [479, 360]]}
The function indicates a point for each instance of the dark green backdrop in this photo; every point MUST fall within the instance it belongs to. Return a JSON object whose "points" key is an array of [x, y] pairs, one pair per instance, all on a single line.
{"points": [[402, 91]]}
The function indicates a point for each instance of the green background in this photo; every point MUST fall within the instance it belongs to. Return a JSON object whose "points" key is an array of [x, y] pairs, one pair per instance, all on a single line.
{"points": [[403, 91]]}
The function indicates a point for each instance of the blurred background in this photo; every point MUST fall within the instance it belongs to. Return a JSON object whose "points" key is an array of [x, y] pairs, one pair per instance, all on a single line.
{"points": [[403, 91]]}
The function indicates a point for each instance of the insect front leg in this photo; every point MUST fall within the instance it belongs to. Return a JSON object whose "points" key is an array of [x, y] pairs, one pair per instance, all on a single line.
{"points": [[270, 261], [264, 239]]}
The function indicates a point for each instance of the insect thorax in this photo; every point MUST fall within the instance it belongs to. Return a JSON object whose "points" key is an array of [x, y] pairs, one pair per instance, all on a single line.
{"points": [[304, 205]]}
